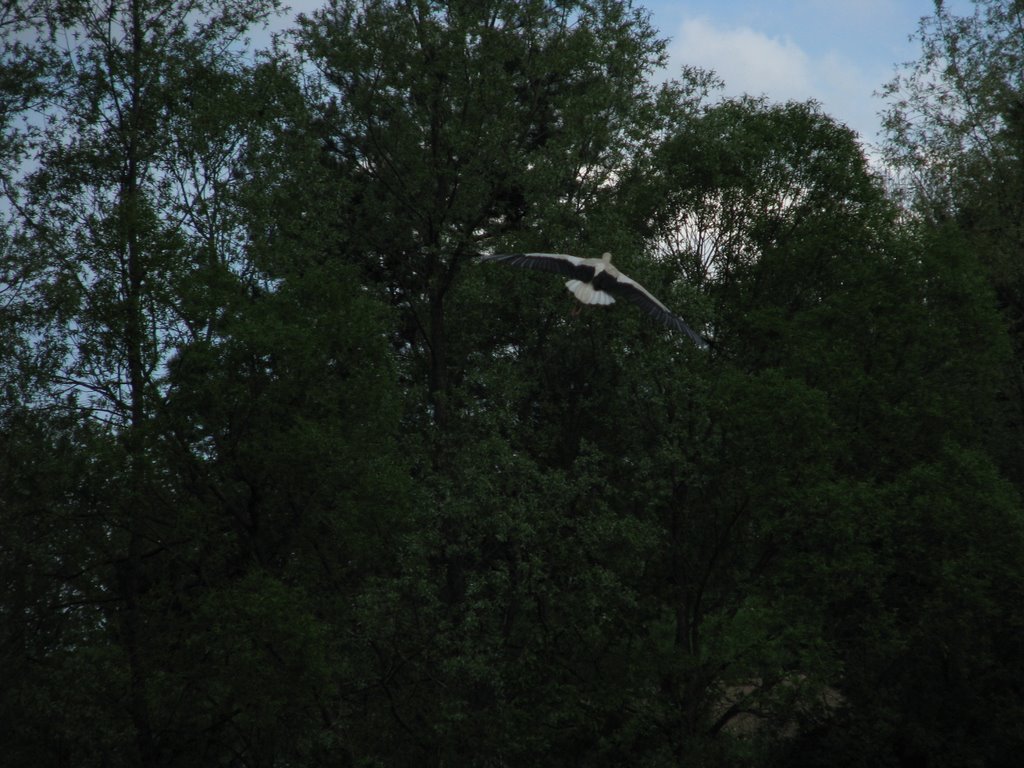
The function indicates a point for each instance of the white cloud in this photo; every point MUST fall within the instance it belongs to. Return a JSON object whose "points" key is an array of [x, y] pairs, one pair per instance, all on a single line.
{"points": [[748, 61], [752, 62]]}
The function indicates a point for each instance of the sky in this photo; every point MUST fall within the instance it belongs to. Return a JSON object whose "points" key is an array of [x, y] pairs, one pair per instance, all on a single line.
{"points": [[838, 52]]}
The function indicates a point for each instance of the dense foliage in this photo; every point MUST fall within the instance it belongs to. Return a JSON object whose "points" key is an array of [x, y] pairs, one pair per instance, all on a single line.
{"points": [[287, 478]]}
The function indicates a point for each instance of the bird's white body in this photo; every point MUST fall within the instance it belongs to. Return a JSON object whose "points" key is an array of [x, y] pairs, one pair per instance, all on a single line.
{"points": [[585, 291]]}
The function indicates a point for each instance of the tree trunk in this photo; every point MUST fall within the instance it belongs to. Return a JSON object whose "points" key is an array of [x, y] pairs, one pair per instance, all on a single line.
{"points": [[131, 583], [438, 376]]}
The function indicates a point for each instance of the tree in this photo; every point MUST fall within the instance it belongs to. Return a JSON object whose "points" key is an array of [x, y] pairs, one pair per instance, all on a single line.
{"points": [[954, 127], [870, 344], [109, 226], [464, 127], [457, 128]]}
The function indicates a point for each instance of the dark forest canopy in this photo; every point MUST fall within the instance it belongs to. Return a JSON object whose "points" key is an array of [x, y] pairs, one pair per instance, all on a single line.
{"points": [[288, 479]]}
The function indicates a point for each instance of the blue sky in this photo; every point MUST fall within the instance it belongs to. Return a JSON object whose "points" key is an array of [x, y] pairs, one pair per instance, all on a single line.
{"points": [[839, 52]]}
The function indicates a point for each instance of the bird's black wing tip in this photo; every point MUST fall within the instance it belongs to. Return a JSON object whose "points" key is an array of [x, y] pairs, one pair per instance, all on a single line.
{"points": [[676, 323], [700, 342]]}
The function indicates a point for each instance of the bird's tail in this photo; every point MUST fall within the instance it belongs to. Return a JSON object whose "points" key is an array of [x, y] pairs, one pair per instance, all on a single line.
{"points": [[586, 293]]}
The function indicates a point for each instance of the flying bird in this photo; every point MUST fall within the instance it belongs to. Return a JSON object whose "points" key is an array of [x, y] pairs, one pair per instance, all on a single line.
{"points": [[594, 281]]}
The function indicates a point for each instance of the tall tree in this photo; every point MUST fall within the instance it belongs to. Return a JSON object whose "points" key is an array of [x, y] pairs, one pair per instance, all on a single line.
{"points": [[99, 251], [876, 345], [456, 128], [955, 134], [469, 125], [954, 125]]}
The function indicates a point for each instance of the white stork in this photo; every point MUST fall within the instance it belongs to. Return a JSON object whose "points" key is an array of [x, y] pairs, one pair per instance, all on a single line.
{"points": [[593, 281]]}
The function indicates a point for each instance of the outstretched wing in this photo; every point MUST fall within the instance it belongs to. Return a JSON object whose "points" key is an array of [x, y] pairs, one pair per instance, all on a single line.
{"points": [[559, 263], [620, 285]]}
